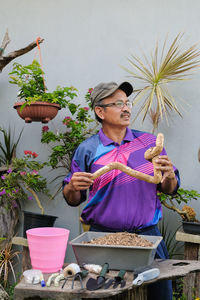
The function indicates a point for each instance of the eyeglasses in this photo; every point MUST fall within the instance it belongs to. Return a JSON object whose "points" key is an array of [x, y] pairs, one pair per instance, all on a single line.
{"points": [[119, 104]]}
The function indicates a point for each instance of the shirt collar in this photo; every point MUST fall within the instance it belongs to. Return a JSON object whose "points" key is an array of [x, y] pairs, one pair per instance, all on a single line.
{"points": [[107, 141]]}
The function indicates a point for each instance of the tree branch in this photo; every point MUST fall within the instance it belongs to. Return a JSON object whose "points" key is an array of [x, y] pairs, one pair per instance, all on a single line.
{"points": [[4, 60], [36, 198], [183, 214], [6, 41]]}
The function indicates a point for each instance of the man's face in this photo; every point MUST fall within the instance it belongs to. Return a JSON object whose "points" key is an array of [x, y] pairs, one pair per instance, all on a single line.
{"points": [[117, 113]]}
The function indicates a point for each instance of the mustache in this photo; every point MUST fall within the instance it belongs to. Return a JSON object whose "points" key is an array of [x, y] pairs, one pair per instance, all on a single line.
{"points": [[125, 113]]}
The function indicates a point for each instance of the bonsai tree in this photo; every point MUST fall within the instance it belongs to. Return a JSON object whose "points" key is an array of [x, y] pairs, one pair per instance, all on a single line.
{"points": [[156, 74], [187, 213]]}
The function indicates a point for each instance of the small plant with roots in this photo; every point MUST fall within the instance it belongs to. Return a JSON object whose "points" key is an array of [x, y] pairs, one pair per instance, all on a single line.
{"points": [[187, 213]]}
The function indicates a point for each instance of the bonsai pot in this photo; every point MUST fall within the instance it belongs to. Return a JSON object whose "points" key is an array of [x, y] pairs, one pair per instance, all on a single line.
{"points": [[191, 227], [37, 111], [34, 220]]}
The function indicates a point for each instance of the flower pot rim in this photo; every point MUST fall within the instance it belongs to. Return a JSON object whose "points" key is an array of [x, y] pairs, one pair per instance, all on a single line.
{"points": [[20, 103], [38, 214], [190, 222]]}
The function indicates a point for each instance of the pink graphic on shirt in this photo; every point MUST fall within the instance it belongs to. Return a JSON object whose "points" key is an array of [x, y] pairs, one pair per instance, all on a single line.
{"points": [[121, 155]]}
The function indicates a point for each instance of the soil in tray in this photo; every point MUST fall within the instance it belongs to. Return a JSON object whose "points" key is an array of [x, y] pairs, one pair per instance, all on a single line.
{"points": [[121, 239]]}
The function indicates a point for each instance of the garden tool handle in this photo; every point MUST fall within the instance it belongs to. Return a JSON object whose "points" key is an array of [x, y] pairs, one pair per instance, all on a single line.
{"points": [[84, 273], [105, 269], [121, 274]]}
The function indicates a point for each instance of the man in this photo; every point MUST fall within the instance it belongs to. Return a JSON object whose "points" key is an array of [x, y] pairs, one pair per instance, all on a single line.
{"points": [[117, 201]]}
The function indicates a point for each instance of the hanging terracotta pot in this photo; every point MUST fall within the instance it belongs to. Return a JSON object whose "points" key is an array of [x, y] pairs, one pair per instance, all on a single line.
{"points": [[37, 111]]}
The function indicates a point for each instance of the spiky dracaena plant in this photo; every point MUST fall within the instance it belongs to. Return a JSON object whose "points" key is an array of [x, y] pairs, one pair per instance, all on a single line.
{"points": [[7, 262], [8, 150], [155, 74]]}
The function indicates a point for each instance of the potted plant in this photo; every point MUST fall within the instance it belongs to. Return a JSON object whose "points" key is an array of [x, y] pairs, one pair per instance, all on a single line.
{"points": [[155, 76], [21, 182], [36, 103], [189, 222]]}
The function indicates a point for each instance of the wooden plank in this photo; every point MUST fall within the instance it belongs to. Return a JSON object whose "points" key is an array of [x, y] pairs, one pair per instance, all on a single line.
{"points": [[197, 285], [198, 254], [17, 240], [169, 269], [187, 237], [188, 286]]}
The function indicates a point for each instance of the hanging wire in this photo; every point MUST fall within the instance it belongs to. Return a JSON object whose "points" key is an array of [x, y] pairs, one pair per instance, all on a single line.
{"points": [[40, 56]]}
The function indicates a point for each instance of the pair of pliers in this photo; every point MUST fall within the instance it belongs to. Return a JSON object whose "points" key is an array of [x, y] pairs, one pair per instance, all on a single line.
{"points": [[116, 281]]}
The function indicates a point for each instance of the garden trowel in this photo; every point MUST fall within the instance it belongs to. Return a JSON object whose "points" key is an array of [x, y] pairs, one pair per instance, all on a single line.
{"points": [[95, 284]]}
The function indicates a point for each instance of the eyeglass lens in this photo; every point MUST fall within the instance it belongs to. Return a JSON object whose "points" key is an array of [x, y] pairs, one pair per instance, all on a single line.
{"points": [[121, 103]]}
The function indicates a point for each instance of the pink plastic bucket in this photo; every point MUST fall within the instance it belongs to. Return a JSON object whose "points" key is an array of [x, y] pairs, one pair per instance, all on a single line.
{"points": [[47, 247]]}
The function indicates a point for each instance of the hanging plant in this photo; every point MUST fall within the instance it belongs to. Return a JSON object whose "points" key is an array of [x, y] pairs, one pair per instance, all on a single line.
{"points": [[33, 94]]}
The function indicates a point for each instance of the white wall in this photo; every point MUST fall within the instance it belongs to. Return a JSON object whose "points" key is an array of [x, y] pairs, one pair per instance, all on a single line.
{"points": [[85, 42]]}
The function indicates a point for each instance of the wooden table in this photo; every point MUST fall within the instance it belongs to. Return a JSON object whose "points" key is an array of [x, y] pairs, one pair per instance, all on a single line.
{"points": [[169, 269], [191, 285]]}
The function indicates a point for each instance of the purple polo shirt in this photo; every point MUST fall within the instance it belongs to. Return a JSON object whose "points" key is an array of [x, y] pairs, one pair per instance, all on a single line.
{"points": [[117, 200]]}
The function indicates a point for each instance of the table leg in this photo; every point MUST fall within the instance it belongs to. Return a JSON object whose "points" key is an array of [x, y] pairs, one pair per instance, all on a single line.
{"points": [[191, 287], [26, 261]]}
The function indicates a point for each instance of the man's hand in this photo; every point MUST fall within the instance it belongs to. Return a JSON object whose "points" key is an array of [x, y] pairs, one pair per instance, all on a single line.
{"points": [[80, 181], [169, 182], [166, 167]]}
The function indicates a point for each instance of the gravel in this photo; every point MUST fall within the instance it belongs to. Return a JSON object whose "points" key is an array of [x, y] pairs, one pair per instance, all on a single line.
{"points": [[121, 239]]}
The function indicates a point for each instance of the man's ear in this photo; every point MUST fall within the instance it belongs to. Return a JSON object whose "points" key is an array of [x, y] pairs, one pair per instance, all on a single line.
{"points": [[99, 111]]}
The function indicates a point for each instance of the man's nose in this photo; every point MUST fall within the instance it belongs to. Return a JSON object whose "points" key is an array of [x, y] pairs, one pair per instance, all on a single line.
{"points": [[126, 107]]}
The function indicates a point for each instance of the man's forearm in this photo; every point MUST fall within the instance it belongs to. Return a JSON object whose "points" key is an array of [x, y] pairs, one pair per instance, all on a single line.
{"points": [[71, 196], [169, 185]]}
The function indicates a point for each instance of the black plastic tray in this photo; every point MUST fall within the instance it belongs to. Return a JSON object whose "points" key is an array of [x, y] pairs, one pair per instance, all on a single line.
{"points": [[191, 227]]}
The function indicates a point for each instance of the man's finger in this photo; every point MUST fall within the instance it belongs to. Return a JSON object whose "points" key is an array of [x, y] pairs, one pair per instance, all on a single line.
{"points": [[164, 168]]}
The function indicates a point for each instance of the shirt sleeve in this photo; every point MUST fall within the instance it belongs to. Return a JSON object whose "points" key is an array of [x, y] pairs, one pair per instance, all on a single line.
{"points": [[79, 163]]}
